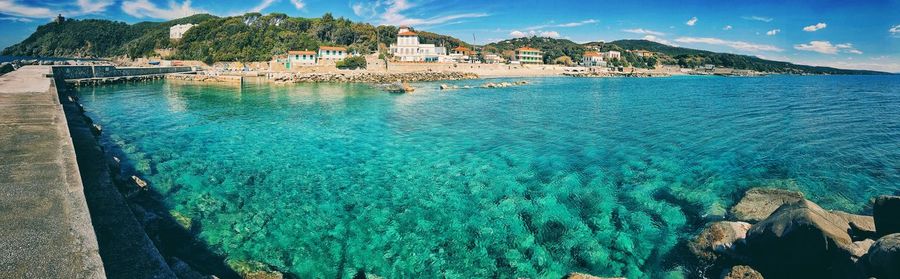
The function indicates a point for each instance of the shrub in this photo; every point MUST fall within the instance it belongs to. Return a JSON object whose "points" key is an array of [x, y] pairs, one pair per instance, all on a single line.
{"points": [[352, 63]]}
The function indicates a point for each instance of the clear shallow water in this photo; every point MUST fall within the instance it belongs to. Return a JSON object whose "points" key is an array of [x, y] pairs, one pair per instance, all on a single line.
{"points": [[605, 176]]}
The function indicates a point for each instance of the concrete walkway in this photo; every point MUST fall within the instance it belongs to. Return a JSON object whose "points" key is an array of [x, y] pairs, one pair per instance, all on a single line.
{"points": [[44, 221]]}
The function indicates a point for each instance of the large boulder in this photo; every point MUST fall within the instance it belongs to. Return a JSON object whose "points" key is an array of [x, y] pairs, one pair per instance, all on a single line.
{"points": [[884, 257], [718, 239], [576, 275], [741, 272], [759, 203], [803, 240], [887, 215]]}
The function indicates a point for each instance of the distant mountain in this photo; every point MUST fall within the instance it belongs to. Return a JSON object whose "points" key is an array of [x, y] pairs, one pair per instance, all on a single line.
{"points": [[665, 55], [250, 37]]}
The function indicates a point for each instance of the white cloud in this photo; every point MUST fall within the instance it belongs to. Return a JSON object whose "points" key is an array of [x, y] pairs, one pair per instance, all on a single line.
{"points": [[569, 24], [550, 34], [77, 8], [825, 47], [146, 9], [815, 27], [773, 32], [90, 7], [739, 45], [300, 5], [727, 27], [692, 21], [643, 31], [895, 31], [532, 33], [16, 19], [261, 6], [391, 12], [759, 18], [659, 40]]}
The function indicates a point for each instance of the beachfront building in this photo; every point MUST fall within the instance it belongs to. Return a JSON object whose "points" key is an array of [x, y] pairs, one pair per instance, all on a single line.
{"points": [[592, 59], [177, 31], [610, 55], [332, 54], [491, 58], [302, 57], [527, 55], [462, 54], [408, 48]]}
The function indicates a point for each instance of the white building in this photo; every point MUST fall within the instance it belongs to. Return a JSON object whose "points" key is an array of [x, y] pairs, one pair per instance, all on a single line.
{"points": [[302, 57], [177, 31], [592, 59], [462, 54], [409, 49], [609, 55], [491, 58], [332, 53]]}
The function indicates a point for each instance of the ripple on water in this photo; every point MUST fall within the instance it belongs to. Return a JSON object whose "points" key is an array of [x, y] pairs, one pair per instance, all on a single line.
{"points": [[604, 176]]}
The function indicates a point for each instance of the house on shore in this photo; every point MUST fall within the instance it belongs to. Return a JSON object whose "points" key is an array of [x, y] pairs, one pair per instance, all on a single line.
{"points": [[491, 58], [527, 55], [462, 54], [409, 49], [592, 59], [302, 57], [610, 55], [332, 54]]}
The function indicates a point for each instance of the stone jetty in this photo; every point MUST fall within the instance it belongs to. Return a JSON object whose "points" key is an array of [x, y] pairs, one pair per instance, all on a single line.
{"points": [[775, 233], [45, 223]]}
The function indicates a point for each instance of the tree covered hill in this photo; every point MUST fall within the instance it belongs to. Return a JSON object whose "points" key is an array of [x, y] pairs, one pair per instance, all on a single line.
{"points": [[250, 37], [665, 55]]}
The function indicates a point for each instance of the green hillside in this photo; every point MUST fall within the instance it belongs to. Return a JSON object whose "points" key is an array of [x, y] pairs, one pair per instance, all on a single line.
{"points": [[250, 37]]}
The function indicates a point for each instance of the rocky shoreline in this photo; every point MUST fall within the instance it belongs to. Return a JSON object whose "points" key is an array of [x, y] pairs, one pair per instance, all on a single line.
{"points": [[775, 233], [370, 77]]}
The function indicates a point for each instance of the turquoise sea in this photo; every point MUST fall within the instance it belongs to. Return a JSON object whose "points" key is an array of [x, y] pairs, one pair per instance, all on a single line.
{"points": [[604, 176]]}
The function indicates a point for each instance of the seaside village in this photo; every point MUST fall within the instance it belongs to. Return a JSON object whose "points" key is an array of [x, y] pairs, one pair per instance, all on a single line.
{"points": [[408, 54]]}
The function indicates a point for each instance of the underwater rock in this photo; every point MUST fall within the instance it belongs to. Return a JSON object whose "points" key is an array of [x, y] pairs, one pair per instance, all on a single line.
{"points": [[741, 272], [718, 238], [759, 203], [804, 239], [887, 215], [715, 212], [182, 220], [576, 275], [254, 270], [96, 129], [884, 257]]}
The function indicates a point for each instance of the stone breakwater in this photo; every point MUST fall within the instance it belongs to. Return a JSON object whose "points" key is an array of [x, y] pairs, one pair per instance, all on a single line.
{"points": [[615, 74], [111, 80], [370, 77], [775, 233]]}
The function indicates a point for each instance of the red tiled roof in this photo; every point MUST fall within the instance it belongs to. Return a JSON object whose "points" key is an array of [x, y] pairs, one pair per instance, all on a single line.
{"points": [[591, 54], [407, 33], [461, 48], [332, 48], [527, 49], [301, 52]]}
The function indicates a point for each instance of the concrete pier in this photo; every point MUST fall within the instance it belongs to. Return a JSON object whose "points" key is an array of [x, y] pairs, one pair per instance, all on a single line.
{"points": [[44, 220]]}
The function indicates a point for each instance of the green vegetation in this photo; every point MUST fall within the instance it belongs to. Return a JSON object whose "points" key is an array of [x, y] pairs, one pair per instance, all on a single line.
{"points": [[250, 37], [352, 63]]}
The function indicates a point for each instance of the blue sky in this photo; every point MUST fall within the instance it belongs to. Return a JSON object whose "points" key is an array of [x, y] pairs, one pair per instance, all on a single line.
{"points": [[846, 34]]}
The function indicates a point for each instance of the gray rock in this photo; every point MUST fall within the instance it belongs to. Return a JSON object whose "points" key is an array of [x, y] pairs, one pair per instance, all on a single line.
{"points": [[802, 239], [718, 238], [759, 203], [887, 215], [884, 257], [741, 272], [576, 275]]}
